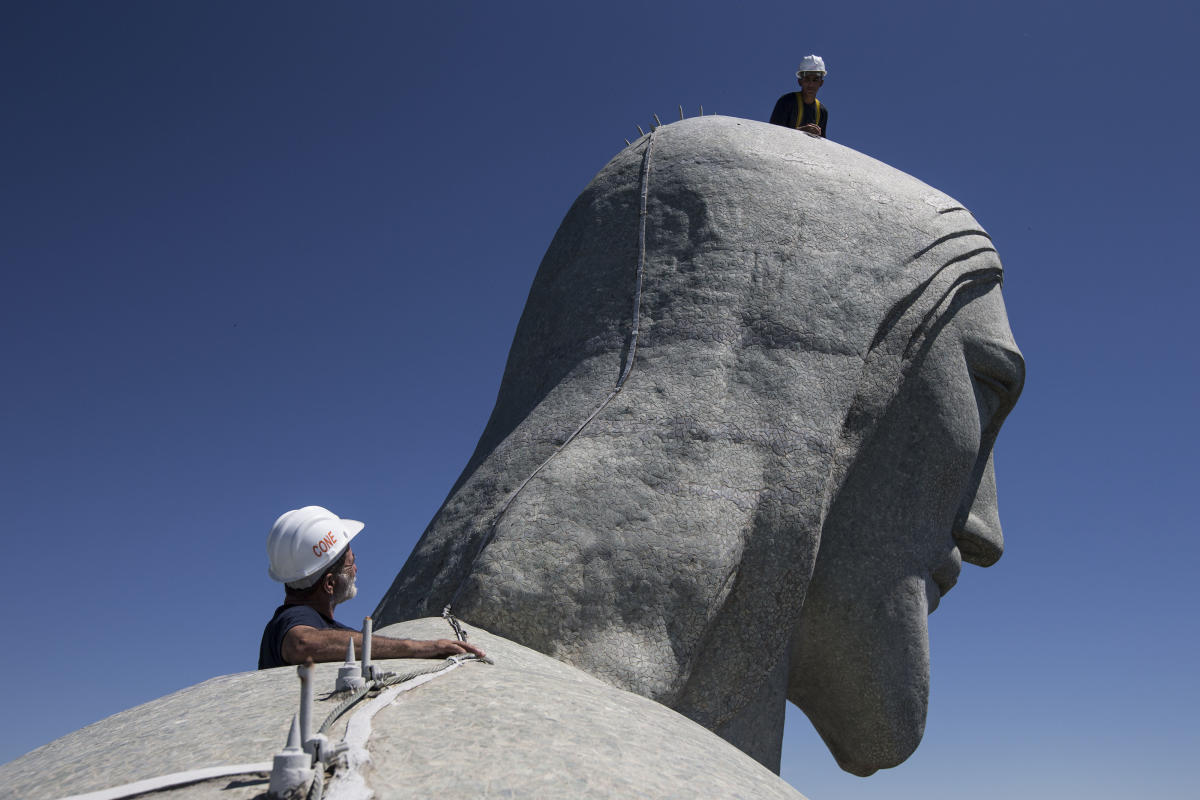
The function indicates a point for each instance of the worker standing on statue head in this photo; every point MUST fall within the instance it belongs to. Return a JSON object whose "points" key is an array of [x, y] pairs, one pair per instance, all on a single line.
{"points": [[309, 553], [801, 110]]}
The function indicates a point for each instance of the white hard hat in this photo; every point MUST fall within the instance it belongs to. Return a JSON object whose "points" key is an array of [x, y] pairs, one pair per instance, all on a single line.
{"points": [[811, 64], [305, 541]]}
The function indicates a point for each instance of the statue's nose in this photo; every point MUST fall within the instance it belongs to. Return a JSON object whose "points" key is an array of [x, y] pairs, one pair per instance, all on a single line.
{"points": [[979, 537], [979, 543]]}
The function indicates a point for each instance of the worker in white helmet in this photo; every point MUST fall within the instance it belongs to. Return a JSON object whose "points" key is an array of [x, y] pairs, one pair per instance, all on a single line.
{"points": [[309, 553], [801, 110]]}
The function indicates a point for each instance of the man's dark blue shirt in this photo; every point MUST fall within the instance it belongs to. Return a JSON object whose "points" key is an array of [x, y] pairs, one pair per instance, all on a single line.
{"points": [[270, 652]]}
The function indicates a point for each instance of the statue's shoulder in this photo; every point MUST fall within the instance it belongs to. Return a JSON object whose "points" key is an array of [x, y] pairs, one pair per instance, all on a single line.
{"points": [[527, 724]]}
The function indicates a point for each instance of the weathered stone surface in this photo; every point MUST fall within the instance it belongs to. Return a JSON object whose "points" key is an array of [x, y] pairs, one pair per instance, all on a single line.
{"points": [[744, 464], [527, 726], [738, 468]]}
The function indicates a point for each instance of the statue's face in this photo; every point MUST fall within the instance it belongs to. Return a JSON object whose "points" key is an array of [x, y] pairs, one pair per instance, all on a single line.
{"points": [[918, 500]]}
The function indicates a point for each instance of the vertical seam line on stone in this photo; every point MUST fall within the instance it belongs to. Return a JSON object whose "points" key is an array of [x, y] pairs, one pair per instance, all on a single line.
{"points": [[625, 370]]}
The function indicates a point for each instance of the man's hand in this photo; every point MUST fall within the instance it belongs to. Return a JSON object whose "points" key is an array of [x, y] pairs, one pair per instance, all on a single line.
{"points": [[451, 647], [811, 128]]}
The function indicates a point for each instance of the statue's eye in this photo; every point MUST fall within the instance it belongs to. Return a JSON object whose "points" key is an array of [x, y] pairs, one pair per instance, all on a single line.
{"points": [[998, 373], [993, 397]]}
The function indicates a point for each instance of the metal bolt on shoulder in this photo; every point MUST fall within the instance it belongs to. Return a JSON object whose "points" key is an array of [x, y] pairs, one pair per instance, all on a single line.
{"points": [[313, 743], [306, 702], [349, 676], [368, 671], [291, 771]]}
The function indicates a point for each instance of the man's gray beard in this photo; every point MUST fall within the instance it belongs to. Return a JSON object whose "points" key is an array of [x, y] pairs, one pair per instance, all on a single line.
{"points": [[345, 589]]}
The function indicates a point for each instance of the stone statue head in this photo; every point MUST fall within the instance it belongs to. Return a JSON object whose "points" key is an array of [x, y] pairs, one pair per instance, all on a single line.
{"points": [[743, 440]]}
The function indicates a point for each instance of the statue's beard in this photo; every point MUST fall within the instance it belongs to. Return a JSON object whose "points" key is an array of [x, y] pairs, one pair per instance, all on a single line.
{"points": [[345, 589], [860, 671]]}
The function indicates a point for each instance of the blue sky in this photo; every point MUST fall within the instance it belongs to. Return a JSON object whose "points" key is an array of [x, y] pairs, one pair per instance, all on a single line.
{"points": [[257, 256]]}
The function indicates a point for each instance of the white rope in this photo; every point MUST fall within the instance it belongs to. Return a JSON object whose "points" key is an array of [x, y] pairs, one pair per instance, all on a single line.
{"points": [[348, 782], [172, 780], [358, 723]]}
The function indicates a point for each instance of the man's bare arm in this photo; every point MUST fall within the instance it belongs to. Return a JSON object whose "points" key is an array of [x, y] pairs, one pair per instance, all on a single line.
{"points": [[304, 642]]}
